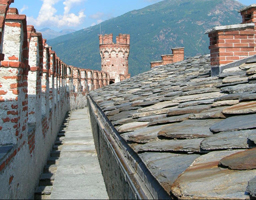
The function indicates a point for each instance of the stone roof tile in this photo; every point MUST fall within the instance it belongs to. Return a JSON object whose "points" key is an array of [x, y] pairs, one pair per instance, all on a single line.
{"points": [[205, 180], [188, 130], [190, 121], [245, 160]]}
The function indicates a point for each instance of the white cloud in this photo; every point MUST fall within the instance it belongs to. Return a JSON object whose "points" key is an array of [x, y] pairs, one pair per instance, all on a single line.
{"points": [[48, 17], [98, 22], [69, 4], [23, 8], [97, 15]]}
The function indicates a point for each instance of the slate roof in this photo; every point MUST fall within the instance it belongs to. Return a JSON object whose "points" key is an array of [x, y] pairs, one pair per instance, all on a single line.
{"points": [[195, 133]]}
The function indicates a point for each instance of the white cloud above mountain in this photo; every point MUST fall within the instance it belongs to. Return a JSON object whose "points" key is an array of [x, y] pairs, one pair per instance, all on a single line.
{"points": [[100, 17], [48, 14]]}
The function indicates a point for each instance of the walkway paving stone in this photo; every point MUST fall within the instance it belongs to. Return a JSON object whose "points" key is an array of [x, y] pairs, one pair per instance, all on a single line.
{"points": [[78, 174]]}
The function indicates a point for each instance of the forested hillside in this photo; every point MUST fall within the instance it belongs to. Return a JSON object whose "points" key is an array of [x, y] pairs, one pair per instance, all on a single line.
{"points": [[154, 31]]}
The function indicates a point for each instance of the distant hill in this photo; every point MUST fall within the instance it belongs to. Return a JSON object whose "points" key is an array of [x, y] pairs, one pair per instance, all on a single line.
{"points": [[51, 34], [154, 31]]}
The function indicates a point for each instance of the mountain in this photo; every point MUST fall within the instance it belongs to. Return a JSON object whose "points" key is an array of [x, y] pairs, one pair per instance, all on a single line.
{"points": [[154, 31], [51, 34]]}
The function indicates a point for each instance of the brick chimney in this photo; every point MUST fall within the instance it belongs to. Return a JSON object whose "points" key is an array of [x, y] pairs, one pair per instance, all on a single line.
{"points": [[176, 56], [233, 42]]}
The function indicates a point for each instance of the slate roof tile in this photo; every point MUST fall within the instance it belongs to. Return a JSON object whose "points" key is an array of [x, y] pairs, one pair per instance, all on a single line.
{"points": [[239, 88], [213, 113], [143, 135], [187, 110], [152, 118], [150, 113], [235, 79], [158, 106], [188, 130], [203, 96], [122, 115], [241, 108], [252, 136], [205, 180], [131, 126], [189, 146], [251, 188], [176, 104], [168, 120], [245, 160], [233, 74], [123, 121], [159, 165], [242, 122], [227, 140], [251, 71], [195, 103], [224, 103]]}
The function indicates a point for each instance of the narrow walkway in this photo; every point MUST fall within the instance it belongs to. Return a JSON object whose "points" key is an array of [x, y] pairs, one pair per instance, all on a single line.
{"points": [[78, 174]]}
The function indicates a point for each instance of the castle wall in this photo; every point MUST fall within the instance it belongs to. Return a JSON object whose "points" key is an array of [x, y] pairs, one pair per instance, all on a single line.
{"points": [[37, 89]]}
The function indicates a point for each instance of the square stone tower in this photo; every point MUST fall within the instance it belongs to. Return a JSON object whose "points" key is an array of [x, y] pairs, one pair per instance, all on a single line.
{"points": [[114, 57]]}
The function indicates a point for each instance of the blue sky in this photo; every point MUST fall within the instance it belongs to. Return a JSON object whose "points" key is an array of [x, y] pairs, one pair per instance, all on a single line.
{"points": [[78, 14]]}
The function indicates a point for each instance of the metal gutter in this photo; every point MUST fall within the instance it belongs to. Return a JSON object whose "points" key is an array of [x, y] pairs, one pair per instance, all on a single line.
{"points": [[142, 182]]}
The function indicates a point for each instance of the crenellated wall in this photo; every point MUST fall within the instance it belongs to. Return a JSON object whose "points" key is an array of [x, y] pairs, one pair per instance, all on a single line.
{"points": [[37, 89]]}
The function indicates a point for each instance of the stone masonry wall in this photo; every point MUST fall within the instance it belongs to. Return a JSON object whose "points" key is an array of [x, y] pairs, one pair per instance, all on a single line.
{"points": [[37, 89]]}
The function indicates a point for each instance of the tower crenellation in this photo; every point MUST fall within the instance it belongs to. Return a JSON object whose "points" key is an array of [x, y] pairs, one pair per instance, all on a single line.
{"points": [[114, 56]]}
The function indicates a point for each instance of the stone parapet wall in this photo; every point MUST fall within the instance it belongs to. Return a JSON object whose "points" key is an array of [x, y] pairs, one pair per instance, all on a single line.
{"points": [[37, 89]]}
